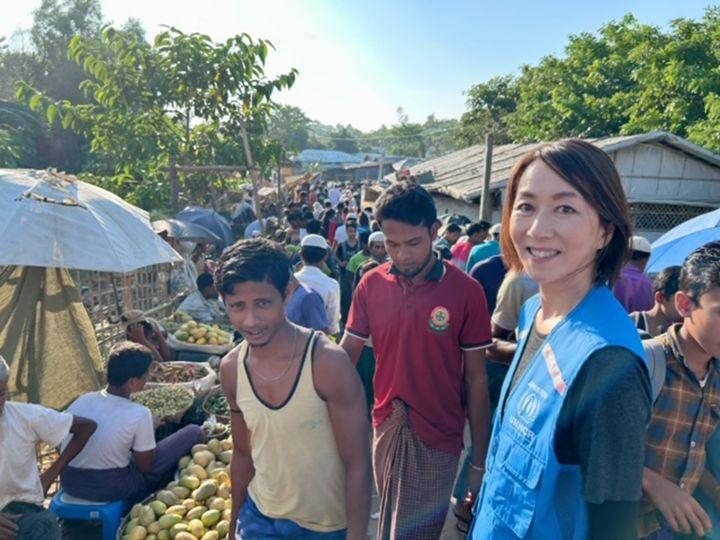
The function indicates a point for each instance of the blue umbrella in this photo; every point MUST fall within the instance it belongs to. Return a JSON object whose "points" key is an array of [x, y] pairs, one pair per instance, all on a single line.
{"points": [[676, 244], [208, 218]]}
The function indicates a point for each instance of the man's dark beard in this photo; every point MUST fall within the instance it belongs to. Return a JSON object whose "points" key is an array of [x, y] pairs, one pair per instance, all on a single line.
{"points": [[411, 275]]}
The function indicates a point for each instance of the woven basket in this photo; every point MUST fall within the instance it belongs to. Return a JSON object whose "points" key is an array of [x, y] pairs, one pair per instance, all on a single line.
{"points": [[223, 419]]}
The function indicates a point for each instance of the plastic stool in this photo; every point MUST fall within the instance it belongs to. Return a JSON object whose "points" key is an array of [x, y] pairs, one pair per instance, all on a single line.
{"points": [[109, 513]]}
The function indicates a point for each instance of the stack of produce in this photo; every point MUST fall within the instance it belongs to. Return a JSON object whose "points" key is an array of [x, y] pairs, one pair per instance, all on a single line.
{"points": [[165, 401], [196, 506], [176, 372], [173, 323], [202, 334], [217, 404]]}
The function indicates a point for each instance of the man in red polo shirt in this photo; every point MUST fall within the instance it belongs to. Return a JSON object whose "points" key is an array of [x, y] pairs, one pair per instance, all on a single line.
{"points": [[429, 325]]}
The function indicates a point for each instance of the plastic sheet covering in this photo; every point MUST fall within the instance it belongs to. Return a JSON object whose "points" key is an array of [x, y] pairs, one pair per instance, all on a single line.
{"points": [[47, 337]]}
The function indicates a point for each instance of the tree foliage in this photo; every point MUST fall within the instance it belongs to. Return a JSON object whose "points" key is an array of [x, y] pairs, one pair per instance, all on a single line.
{"points": [[38, 56], [290, 126], [627, 78], [183, 98]]}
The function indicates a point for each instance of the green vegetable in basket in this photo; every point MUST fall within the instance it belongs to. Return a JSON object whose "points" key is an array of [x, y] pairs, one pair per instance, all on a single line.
{"points": [[164, 401], [218, 404]]}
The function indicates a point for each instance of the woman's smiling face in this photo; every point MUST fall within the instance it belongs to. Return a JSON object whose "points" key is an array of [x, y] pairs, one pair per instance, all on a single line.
{"points": [[555, 231]]}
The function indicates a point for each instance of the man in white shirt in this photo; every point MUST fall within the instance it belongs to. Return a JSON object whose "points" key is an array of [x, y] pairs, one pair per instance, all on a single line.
{"points": [[314, 253], [122, 461], [22, 487], [204, 305]]}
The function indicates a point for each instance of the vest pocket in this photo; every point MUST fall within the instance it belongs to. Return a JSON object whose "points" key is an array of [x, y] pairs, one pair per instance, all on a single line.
{"points": [[513, 490]]}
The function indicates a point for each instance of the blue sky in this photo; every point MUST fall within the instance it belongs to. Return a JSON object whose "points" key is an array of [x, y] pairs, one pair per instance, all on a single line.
{"points": [[360, 60]]}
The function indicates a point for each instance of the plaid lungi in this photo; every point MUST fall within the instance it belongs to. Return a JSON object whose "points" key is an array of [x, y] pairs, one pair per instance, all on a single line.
{"points": [[414, 481]]}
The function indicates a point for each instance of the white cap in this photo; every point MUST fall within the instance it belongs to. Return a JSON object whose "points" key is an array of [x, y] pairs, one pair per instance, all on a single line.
{"points": [[351, 215], [640, 243], [377, 236], [314, 240], [496, 229]]}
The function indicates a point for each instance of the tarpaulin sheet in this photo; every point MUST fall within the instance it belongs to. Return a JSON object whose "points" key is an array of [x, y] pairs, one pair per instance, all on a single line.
{"points": [[47, 337]]}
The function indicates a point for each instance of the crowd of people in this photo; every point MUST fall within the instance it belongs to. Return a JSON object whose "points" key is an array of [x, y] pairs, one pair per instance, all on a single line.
{"points": [[589, 391]]}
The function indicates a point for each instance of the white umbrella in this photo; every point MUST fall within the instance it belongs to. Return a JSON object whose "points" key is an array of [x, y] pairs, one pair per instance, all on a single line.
{"points": [[51, 219]]}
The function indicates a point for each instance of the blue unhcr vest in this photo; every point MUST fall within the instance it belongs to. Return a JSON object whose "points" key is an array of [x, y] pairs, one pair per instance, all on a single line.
{"points": [[527, 493]]}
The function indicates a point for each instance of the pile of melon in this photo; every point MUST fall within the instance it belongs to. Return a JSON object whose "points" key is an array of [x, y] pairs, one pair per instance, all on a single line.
{"points": [[196, 506]]}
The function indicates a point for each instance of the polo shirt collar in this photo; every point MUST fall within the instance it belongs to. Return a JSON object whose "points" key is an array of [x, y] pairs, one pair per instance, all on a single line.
{"points": [[436, 273]]}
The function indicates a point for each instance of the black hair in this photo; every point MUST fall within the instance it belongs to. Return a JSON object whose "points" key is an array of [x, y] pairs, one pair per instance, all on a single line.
{"points": [[127, 360], [453, 227], [667, 281], [314, 226], [364, 237], [253, 260], [204, 280], [639, 256], [592, 172], [407, 203], [477, 227], [313, 254], [327, 204], [701, 271]]}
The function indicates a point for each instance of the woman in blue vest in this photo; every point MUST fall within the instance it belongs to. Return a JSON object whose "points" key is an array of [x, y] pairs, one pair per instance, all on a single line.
{"points": [[566, 455]]}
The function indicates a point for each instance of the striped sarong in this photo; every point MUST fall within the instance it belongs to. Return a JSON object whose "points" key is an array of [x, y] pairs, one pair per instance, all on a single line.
{"points": [[414, 481]]}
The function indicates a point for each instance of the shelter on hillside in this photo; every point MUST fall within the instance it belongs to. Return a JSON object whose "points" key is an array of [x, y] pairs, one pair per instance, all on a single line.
{"points": [[325, 159], [667, 179]]}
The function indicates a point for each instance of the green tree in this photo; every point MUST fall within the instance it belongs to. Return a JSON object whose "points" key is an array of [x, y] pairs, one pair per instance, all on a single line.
{"points": [[489, 105], [290, 126], [39, 56], [20, 128], [439, 135], [183, 99], [344, 139], [627, 78]]}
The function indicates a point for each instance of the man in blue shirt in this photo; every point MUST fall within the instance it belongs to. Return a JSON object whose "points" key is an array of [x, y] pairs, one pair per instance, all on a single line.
{"points": [[306, 307], [485, 250]]}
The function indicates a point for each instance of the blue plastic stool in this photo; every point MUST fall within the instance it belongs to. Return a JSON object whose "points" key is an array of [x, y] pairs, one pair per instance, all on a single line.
{"points": [[109, 513]]}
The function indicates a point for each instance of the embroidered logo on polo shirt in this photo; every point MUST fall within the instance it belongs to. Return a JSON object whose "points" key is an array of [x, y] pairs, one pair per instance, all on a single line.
{"points": [[439, 319]]}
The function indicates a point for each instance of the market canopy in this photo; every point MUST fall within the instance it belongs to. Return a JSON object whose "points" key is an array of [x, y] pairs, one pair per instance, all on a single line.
{"points": [[180, 230], [54, 220], [208, 218]]}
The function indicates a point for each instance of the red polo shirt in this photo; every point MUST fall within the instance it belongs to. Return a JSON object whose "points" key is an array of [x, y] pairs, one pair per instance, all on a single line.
{"points": [[419, 333]]}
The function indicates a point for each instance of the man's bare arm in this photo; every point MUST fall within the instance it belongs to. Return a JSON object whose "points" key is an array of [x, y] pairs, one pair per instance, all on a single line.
{"points": [[353, 346], [337, 381], [241, 466], [81, 429], [478, 412]]}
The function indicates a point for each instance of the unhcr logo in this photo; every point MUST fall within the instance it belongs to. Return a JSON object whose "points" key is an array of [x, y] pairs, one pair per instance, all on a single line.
{"points": [[529, 406]]}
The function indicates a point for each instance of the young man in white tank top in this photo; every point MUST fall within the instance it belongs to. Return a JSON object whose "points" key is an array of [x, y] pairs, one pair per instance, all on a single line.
{"points": [[301, 458]]}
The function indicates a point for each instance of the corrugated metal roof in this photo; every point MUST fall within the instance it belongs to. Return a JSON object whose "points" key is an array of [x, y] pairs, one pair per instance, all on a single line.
{"points": [[312, 155], [459, 174]]}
